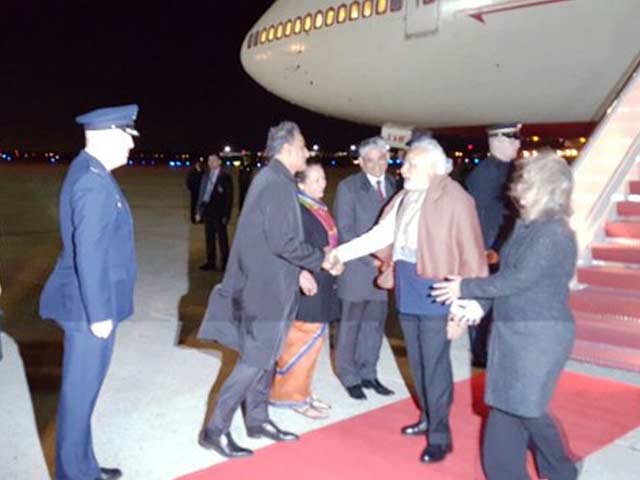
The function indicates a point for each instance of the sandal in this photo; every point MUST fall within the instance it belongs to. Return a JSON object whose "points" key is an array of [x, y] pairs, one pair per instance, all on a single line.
{"points": [[310, 412], [319, 404]]}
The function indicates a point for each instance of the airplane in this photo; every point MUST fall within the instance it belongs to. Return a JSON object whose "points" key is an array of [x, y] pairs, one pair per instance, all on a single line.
{"points": [[446, 63]]}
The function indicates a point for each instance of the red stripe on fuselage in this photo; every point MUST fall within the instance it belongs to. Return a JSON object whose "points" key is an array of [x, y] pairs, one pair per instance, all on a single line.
{"points": [[479, 13]]}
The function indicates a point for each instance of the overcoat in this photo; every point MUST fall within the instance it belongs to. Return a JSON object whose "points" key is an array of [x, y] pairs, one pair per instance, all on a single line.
{"points": [[251, 310], [94, 277], [533, 329]]}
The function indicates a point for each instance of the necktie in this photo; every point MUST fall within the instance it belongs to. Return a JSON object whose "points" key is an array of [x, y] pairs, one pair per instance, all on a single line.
{"points": [[379, 188]]}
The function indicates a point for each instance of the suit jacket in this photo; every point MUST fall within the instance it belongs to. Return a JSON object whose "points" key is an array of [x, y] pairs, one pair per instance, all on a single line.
{"points": [[357, 207], [94, 277], [253, 307], [221, 200]]}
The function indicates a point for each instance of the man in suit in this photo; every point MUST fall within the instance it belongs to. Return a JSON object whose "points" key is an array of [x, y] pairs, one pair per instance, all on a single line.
{"points": [[254, 306], [488, 184], [358, 203], [91, 288], [215, 202], [193, 185]]}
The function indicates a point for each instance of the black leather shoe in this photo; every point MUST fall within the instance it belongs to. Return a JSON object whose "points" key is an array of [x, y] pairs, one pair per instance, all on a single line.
{"points": [[356, 392], [377, 387], [434, 453], [270, 430], [418, 428], [109, 473], [224, 445], [207, 267]]}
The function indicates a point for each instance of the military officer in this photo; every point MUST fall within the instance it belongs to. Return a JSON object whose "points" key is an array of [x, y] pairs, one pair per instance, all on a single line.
{"points": [[91, 288]]}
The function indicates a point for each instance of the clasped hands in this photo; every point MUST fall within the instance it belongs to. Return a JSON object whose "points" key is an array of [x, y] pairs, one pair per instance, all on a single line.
{"points": [[463, 312], [332, 262]]}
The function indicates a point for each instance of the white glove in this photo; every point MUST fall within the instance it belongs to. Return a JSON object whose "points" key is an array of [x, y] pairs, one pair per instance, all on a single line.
{"points": [[102, 329], [468, 312]]}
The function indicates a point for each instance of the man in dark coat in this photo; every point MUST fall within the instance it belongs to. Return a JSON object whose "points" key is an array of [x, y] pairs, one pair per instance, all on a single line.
{"points": [[214, 207], [358, 203], [91, 288], [488, 184], [253, 307], [193, 185]]}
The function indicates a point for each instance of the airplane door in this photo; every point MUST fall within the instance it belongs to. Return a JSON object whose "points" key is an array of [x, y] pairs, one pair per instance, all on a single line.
{"points": [[422, 17]]}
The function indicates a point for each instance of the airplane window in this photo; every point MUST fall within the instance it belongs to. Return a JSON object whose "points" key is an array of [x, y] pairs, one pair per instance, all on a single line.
{"points": [[396, 5], [256, 38], [263, 36], [250, 41], [279, 31], [308, 22], [297, 26], [381, 7], [272, 33], [288, 28], [367, 8], [330, 17], [342, 13], [354, 11], [319, 20]]}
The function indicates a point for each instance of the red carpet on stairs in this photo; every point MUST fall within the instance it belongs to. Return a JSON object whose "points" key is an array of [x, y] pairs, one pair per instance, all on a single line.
{"points": [[593, 412]]}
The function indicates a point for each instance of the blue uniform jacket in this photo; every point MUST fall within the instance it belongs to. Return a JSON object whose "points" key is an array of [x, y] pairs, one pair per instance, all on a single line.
{"points": [[94, 277]]}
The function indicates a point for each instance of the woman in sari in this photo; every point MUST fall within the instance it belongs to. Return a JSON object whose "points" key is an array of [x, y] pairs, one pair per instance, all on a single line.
{"points": [[294, 369]]}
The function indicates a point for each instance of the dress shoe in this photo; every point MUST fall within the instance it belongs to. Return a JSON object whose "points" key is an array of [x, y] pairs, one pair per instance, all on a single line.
{"points": [[418, 428], [207, 267], [434, 453], [109, 473], [270, 430], [377, 387], [224, 445], [356, 392]]}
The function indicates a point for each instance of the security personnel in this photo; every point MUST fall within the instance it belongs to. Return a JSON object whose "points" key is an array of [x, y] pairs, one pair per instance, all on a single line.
{"points": [[91, 288], [488, 184]]}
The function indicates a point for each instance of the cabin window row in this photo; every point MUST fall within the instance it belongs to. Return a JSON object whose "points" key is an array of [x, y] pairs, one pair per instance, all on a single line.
{"points": [[323, 19]]}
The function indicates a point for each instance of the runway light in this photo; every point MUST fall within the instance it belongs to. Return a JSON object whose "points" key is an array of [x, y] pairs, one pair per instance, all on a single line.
{"points": [[476, 161], [583, 140], [227, 149], [352, 148], [316, 148], [333, 163], [470, 146], [172, 164], [130, 162], [259, 165], [535, 138]]}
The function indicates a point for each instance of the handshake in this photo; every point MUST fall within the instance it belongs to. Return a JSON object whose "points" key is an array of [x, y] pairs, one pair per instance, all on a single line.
{"points": [[332, 262]]}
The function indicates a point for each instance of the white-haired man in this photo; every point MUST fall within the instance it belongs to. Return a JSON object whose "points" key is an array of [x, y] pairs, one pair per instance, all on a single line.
{"points": [[359, 201], [429, 230]]}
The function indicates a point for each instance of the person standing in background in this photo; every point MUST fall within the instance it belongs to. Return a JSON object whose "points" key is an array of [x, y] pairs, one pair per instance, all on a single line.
{"points": [[193, 185]]}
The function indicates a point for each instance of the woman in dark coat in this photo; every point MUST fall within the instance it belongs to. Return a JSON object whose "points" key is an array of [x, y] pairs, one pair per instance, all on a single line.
{"points": [[294, 369], [533, 330]]}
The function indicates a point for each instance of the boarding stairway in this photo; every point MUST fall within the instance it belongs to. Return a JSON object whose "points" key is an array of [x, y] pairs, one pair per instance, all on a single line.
{"points": [[605, 296]]}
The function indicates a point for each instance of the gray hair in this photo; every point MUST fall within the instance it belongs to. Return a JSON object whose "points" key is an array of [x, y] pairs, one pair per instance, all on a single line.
{"points": [[551, 178], [432, 147], [372, 143], [279, 136]]}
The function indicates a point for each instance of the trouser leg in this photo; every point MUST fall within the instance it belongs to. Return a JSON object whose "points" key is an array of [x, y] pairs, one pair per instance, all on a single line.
{"points": [[85, 365], [233, 393], [551, 455], [210, 238], [257, 400], [223, 238], [411, 332], [370, 336], [479, 337], [437, 377], [346, 362], [504, 447]]}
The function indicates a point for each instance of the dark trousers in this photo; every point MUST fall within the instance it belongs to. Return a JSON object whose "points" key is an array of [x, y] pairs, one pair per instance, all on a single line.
{"points": [[507, 438], [360, 337], [428, 348], [84, 367], [479, 338], [194, 204], [215, 229], [247, 384]]}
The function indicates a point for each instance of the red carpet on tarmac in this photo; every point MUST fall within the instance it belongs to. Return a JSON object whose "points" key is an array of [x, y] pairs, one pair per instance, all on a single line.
{"points": [[591, 411]]}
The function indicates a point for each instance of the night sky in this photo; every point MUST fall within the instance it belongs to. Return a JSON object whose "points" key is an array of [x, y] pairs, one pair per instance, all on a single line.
{"points": [[179, 60]]}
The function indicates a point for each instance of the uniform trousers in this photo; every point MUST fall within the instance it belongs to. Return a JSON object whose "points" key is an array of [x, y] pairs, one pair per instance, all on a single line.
{"points": [[85, 364], [360, 337], [507, 438], [215, 230], [428, 351]]}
